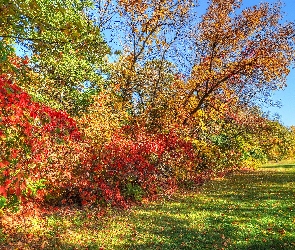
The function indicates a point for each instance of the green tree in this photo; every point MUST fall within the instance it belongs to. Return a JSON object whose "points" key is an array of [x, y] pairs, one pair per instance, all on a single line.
{"points": [[65, 48]]}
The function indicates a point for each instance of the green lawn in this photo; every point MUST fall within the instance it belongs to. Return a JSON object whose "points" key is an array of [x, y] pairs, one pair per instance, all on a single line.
{"points": [[253, 210]]}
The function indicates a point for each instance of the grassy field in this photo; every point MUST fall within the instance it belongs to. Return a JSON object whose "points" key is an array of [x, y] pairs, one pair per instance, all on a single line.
{"points": [[247, 210]]}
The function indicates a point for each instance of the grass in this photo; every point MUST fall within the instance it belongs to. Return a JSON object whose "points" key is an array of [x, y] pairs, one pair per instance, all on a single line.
{"points": [[253, 210]]}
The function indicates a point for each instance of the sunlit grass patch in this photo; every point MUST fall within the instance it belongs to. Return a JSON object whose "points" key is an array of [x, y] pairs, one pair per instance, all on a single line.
{"points": [[286, 165]]}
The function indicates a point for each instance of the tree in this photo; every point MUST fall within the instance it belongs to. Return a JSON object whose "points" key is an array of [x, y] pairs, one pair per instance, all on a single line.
{"points": [[238, 55], [64, 46], [148, 33]]}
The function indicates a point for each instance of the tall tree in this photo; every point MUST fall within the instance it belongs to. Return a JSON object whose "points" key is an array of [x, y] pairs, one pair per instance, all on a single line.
{"points": [[149, 32], [238, 55]]}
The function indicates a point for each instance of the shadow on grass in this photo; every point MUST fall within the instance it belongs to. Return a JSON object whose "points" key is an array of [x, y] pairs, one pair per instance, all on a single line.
{"points": [[23, 241]]}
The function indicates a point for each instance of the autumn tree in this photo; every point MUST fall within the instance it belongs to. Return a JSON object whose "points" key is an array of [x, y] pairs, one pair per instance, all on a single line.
{"points": [[277, 141], [178, 101], [148, 34], [234, 58], [179, 69], [238, 56]]}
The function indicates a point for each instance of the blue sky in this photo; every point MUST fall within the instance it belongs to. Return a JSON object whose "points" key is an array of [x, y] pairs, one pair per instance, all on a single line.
{"points": [[286, 96]]}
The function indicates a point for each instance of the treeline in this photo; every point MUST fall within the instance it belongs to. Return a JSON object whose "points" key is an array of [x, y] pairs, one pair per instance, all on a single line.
{"points": [[114, 101]]}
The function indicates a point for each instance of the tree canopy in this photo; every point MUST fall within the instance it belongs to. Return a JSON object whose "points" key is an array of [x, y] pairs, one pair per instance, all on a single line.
{"points": [[64, 47]]}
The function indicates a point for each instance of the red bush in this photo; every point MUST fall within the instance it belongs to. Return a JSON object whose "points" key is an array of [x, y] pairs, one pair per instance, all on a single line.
{"points": [[44, 156], [42, 149]]}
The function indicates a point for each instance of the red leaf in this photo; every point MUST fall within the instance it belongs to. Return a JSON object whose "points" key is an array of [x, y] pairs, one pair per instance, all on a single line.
{"points": [[4, 164], [18, 191], [7, 182], [3, 191], [6, 172]]}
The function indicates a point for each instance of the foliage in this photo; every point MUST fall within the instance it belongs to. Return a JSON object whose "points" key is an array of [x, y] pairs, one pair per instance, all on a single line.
{"points": [[233, 56], [238, 56], [279, 141], [63, 46], [41, 147], [44, 156]]}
